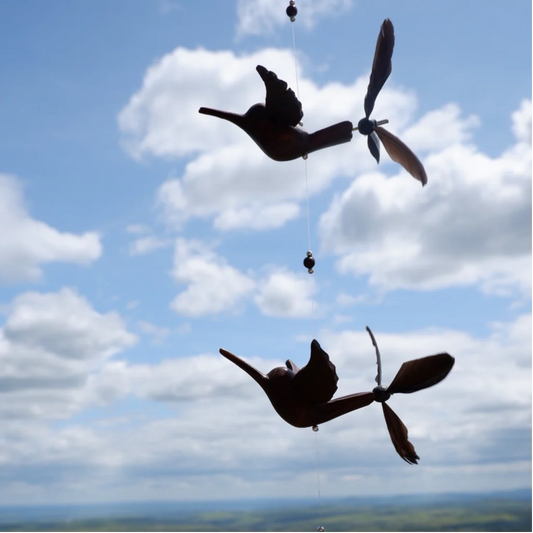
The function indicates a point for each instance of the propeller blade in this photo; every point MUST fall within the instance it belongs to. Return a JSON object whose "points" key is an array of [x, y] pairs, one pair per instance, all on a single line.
{"points": [[373, 145], [402, 154], [399, 436], [381, 66], [421, 373]]}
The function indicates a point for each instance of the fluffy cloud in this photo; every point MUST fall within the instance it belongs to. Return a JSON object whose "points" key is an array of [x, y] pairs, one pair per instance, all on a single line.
{"points": [[257, 217], [470, 225], [49, 345], [228, 177], [285, 294], [159, 334], [213, 285], [145, 245], [27, 243], [227, 435], [262, 17]]}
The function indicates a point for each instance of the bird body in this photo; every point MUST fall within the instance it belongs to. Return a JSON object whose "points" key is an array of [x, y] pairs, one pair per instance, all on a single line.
{"points": [[274, 125], [281, 142], [302, 397]]}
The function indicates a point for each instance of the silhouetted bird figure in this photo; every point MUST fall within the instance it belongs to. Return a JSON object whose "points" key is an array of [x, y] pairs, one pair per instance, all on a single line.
{"points": [[381, 69], [303, 397], [274, 125]]}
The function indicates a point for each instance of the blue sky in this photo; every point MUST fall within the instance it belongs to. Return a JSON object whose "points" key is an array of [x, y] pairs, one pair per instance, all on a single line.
{"points": [[138, 237]]}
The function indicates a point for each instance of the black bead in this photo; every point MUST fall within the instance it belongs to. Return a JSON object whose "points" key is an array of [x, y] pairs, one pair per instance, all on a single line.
{"points": [[309, 262], [366, 126], [292, 11]]}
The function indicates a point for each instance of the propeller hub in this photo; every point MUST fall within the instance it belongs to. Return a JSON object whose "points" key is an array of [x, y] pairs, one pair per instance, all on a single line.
{"points": [[366, 126], [380, 394]]}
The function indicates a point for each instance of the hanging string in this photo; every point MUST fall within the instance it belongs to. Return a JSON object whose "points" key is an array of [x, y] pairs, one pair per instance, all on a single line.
{"points": [[308, 210], [292, 15], [295, 61], [317, 448], [309, 261], [295, 55]]}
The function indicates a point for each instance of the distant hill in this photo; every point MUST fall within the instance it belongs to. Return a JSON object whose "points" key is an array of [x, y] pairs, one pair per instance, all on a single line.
{"points": [[491, 511]]}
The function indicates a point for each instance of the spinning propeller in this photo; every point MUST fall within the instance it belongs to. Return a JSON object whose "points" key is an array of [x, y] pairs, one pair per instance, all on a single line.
{"points": [[381, 69]]}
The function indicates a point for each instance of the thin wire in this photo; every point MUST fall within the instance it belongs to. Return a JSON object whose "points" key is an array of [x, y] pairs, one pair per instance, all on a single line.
{"points": [[295, 61], [305, 159], [308, 211], [318, 481], [311, 280]]}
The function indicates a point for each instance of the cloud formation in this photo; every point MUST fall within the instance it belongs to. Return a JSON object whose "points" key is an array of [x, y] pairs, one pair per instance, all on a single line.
{"points": [[49, 346], [286, 294], [26, 243], [212, 285], [262, 17], [221, 431], [470, 226]]}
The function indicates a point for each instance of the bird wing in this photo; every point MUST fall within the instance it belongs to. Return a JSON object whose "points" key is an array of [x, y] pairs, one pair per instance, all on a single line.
{"points": [[318, 378], [281, 103], [399, 436], [381, 66], [291, 365], [401, 153], [421, 373]]}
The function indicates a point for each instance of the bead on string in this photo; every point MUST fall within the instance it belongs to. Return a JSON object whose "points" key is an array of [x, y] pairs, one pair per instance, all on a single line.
{"points": [[292, 11], [309, 262]]}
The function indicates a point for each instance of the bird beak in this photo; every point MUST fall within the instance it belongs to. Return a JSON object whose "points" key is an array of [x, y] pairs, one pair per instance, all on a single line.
{"points": [[226, 115], [257, 375]]}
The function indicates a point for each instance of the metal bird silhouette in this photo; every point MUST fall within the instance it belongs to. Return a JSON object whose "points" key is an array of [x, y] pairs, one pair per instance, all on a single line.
{"points": [[381, 69], [274, 125], [303, 397]]}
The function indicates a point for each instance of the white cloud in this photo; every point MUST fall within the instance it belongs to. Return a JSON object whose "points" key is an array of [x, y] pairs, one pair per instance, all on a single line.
{"points": [[257, 217], [346, 300], [137, 229], [440, 128], [159, 334], [213, 285], [522, 122], [224, 438], [470, 226], [29, 243], [145, 245], [49, 344], [262, 17], [228, 177], [285, 294]]}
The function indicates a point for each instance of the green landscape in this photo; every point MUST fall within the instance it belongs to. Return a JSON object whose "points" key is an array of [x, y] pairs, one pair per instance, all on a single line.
{"points": [[445, 513]]}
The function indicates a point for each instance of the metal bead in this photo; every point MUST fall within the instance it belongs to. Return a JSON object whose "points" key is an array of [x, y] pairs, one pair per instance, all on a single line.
{"points": [[315, 428], [320, 528], [309, 262], [292, 11], [305, 156]]}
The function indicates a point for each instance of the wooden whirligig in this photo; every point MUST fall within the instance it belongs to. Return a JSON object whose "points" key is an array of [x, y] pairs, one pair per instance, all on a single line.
{"points": [[274, 125], [303, 396]]}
